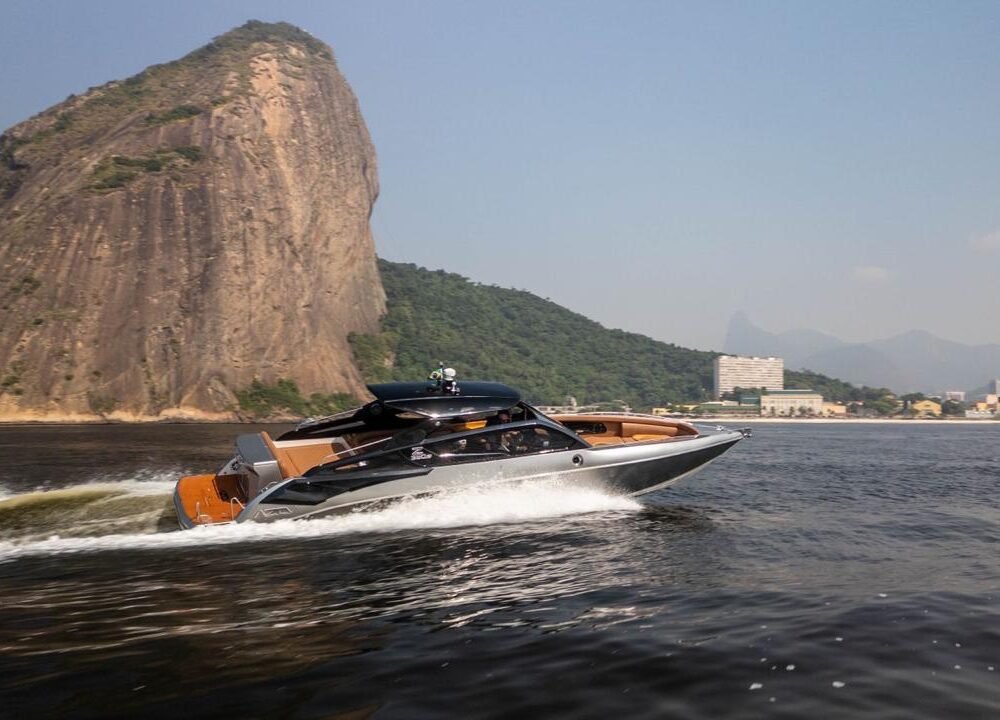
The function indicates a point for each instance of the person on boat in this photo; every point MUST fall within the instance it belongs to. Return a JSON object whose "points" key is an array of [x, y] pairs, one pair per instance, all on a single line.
{"points": [[501, 418]]}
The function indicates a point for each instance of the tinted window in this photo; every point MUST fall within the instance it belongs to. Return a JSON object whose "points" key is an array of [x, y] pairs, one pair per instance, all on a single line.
{"points": [[493, 445], [583, 428], [302, 492]]}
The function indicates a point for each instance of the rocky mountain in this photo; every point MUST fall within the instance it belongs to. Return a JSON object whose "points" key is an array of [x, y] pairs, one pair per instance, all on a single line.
{"points": [[170, 240], [915, 361], [745, 338]]}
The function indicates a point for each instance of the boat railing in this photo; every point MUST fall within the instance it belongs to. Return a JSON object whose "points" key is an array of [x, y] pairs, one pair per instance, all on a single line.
{"points": [[349, 451], [612, 413]]}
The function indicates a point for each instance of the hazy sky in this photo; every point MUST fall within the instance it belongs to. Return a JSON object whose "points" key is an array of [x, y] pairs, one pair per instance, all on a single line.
{"points": [[653, 165]]}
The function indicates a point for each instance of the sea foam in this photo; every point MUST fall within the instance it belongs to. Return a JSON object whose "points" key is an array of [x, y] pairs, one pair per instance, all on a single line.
{"points": [[486, 504]]}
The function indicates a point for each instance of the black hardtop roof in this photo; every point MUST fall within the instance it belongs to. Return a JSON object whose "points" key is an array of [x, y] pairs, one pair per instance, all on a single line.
{"points": [[389, 392], [428, 399], [474, 399]]}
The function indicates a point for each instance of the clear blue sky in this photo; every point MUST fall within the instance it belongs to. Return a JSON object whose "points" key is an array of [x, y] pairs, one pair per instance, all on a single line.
{"points": [[653, 165]]}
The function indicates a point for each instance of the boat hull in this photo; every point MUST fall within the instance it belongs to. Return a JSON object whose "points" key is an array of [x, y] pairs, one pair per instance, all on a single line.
{"points": [[630, 470]]}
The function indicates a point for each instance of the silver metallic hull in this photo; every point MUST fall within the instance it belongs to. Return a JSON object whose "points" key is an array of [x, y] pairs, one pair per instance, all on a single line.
{"points": [[633, 469]]}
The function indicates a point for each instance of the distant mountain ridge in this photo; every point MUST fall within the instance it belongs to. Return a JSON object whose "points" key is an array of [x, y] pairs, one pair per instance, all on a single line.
{"points": [[914, 361]]}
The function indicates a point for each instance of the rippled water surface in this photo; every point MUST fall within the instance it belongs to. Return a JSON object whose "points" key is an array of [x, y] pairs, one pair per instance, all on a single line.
{"points": [[815, 570]]}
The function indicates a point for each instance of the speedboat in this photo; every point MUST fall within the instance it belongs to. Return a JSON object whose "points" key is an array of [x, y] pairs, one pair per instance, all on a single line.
{"points": [[420, 438]]}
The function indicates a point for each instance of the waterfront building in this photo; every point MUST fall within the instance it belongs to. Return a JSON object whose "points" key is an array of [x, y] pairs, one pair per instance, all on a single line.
{"points": [[727, 407], [989, 403], [831, 409], [977, 414], [734, 371], [926, 408], [957, 395], [789, 403]]}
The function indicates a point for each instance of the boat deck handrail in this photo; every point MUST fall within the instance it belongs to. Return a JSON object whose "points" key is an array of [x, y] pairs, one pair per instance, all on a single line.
{"points": [[612, 413]]}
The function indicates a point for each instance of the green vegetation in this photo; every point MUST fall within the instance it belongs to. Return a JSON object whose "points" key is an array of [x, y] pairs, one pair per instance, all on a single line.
{"points": [[859, 400], [191, 153], [834, 390], [26, 285], [11, 168], [880, 406], [63, 121], [11, 382], [119, 170], [101, 404], [254, 31], [548, 352], [373, 355], [127, 92], [261, 400], [180, 112], [952, 408], [112, 180], [739, 393]]}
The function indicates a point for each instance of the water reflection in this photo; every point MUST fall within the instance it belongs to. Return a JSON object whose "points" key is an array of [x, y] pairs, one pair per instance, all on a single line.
{"points": [[847, 565]]}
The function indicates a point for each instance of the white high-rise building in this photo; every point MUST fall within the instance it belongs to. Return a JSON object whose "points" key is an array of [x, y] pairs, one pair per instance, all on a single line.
{"points": [[733, 371]]}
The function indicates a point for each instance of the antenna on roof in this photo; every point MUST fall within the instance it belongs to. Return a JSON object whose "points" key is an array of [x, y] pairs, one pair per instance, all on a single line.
{"points": [[445, 379]]}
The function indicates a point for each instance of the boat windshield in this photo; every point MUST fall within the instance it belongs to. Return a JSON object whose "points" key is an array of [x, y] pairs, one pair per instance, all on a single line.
{"points": [[377, 417]]}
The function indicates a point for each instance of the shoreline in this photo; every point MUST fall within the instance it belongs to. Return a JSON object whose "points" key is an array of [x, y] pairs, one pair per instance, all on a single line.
{"points": [[850, 421], [71, 421]]}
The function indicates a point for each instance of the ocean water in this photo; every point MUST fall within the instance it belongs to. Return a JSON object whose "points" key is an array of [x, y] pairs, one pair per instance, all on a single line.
{"points": [[820, 571]]}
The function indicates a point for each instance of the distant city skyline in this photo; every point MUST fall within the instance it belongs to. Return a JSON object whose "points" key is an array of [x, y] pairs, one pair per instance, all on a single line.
{"points": [[655, 166]]}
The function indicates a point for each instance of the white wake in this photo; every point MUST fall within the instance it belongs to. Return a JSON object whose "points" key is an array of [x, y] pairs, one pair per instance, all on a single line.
{"points": [[486, 504]]}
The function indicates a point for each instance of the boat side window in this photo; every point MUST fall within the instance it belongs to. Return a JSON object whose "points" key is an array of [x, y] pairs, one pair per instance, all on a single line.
{"points": [[586, 428], [397, 458], [471, 448], [302, 492], [542, 439], [495, 444]]}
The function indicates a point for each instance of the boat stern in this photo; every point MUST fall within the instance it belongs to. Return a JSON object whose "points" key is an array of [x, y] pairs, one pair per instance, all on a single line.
{"points": [[207, 500]]}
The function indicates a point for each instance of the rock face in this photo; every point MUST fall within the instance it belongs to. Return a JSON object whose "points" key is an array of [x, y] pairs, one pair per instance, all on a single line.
{"points": [[168, 239]]}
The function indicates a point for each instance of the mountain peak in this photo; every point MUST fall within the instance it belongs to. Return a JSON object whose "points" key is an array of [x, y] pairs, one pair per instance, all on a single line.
{"points": [[181, 202], [256, 31], [739, 319]]}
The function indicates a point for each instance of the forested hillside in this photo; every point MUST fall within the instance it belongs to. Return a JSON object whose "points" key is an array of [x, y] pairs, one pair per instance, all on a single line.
{"points": [[833, 390], [493, 333]]}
